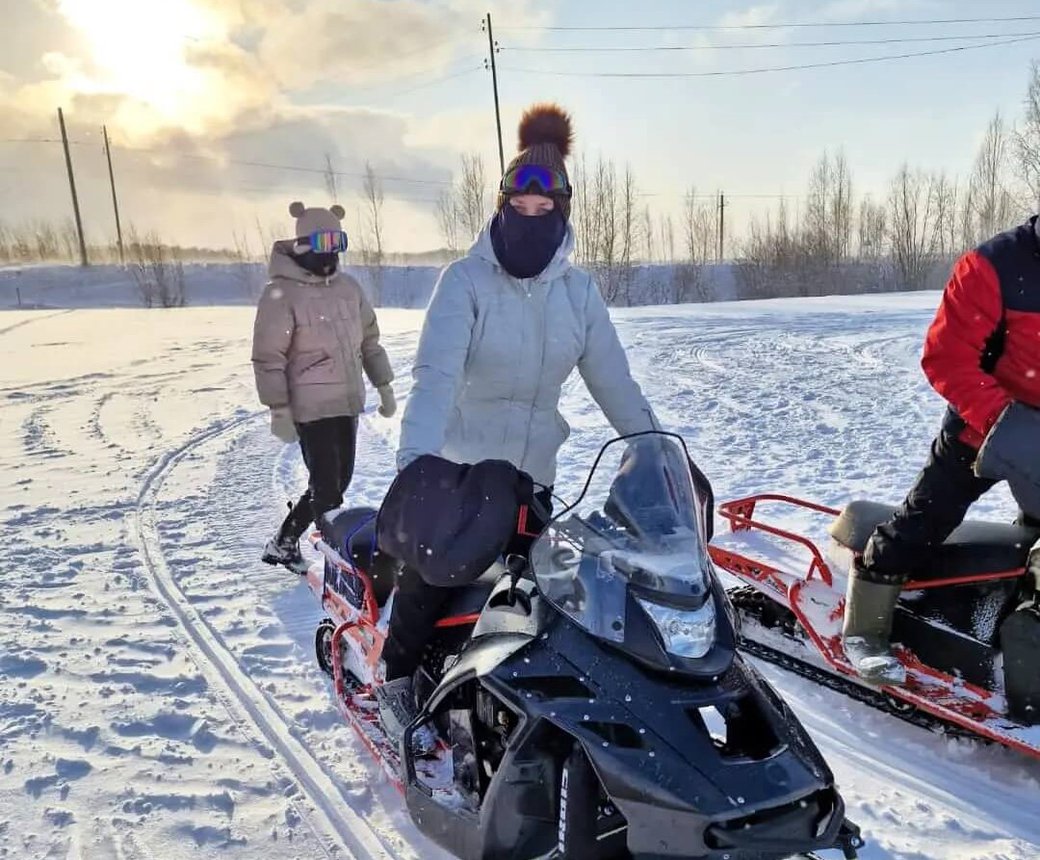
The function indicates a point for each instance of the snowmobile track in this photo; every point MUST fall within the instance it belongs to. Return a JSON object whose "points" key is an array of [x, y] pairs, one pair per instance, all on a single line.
{"points": [[18, 325], [749, 601], [345, 832]]}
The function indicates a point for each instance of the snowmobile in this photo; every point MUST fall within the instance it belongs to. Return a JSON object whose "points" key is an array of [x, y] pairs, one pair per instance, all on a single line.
{"points": [[589, 698], [968, 634]]}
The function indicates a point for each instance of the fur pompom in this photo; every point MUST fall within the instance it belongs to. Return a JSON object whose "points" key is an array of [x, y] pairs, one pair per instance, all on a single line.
{"points": [[337, 210], [546, 123], [296, 209]]}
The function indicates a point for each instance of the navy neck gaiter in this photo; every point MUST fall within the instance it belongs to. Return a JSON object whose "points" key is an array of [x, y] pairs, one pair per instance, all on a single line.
{"points": [[526, 244], [322, 265]]}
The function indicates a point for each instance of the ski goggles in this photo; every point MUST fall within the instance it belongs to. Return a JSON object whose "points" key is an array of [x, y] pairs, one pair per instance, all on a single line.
{"points": [[322, 242], [535, 179]]}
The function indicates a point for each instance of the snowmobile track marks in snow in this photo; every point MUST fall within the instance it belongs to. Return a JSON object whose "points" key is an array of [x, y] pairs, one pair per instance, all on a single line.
{"points": [[346, 833]]}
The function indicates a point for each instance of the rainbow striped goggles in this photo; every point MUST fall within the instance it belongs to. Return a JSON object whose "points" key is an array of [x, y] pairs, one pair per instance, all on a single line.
{"points": [[322, 242]]}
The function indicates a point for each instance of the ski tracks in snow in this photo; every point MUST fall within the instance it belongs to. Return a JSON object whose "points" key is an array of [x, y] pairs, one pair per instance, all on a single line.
{"points": [[343, 828]]}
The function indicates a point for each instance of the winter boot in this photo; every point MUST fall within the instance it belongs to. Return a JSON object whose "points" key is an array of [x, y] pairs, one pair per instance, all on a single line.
{"points": [[397, 709], [286, 552], [865, 635], [284, 547]]}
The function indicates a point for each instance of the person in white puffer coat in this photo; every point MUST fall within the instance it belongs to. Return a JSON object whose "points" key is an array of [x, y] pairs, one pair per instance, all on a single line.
{"points": [[505, 328]]}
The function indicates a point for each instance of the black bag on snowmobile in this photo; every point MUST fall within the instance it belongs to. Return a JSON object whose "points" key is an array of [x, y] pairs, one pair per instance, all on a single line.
{"points": [[1020, 642], [450, 522]]}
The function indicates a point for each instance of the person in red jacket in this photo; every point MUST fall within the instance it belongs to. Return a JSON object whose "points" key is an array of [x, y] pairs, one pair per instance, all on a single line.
{"points": [[982, 354]]}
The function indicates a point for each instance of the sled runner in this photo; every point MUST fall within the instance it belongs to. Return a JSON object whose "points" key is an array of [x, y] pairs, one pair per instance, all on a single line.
{"points": [[964, 634]]}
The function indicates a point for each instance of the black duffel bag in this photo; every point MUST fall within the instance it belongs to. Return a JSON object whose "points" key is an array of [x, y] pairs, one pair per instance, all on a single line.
{"points": [[450, 522]]}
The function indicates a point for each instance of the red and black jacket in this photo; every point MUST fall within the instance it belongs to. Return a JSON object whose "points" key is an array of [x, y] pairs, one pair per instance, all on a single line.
{"points": [[983, 349]]}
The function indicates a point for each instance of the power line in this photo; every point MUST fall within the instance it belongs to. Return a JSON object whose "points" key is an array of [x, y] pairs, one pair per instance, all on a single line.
{"points": [[43, 140], [467, 71], [422, 49], [791, 24], [290, 167], [760, 45], [737, 72], [706, 196]]}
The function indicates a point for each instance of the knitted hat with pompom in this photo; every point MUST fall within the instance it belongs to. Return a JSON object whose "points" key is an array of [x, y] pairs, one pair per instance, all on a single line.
{"points": [[544, 137]]}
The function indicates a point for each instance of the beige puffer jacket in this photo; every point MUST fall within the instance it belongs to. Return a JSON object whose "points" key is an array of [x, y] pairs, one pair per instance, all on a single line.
{"points": [[311, 339]]}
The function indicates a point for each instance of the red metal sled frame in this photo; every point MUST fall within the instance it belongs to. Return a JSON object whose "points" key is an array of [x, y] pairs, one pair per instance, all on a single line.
{"points": [[362, 622], [962, 712]]}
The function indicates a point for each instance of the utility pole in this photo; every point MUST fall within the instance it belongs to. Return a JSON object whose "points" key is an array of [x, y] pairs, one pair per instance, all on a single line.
{"points": [[722, 226], [72, 187], [115, 200], [492, 48]]}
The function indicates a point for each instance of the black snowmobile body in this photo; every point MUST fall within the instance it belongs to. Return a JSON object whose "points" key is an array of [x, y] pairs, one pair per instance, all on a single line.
{"points": [[573, 723], [687, 768], [676, 756]]}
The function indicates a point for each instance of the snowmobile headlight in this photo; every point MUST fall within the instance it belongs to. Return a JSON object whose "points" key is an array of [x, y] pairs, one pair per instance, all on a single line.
{"points": [[686, 633]]}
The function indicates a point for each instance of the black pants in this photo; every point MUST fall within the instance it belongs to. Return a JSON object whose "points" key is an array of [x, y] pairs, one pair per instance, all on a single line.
{"points": [[419, 606], [937, 503], [328, 448]]}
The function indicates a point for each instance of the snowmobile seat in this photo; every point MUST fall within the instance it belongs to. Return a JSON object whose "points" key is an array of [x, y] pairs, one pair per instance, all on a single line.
{"points": [[357, 526], [470, 599], [975, 547]]}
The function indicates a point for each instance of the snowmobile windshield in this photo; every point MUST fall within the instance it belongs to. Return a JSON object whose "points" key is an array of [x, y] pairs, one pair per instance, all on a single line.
{"points": [[637, 531]]}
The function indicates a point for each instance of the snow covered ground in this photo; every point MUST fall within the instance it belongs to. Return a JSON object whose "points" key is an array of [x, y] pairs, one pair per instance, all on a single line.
{"points": [[158, 693]]}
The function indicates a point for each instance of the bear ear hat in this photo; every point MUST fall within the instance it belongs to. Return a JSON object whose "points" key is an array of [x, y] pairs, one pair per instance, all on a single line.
{"points": [[296, 209], [546, 123], [337, 210]]}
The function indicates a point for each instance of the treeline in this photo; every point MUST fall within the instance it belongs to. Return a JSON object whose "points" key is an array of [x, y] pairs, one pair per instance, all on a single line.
{"points": [[831, 241]]}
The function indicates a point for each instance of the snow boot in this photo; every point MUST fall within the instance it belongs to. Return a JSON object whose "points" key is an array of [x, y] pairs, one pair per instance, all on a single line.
{"points": [[286, 552], [397, 709], [866, 633]]}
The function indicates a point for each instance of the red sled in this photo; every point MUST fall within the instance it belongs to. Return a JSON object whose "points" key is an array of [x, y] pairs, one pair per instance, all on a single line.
{"points": [[968, 635], [355, 590]]}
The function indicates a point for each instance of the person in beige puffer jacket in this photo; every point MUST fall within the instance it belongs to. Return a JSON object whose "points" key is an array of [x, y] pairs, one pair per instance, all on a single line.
{"points": [[314, 334]]}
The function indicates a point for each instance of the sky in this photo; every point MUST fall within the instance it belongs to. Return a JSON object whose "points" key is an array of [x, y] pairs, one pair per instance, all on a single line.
{"points": [[221, 112]]}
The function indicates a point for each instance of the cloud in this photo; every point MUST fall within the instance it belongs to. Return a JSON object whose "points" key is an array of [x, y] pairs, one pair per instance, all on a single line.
{"points": [[765, 13], [353, 41], [199, 95]]}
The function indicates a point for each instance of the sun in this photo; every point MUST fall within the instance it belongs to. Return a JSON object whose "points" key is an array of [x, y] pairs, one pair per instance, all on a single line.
{"points": [[138, 48]]}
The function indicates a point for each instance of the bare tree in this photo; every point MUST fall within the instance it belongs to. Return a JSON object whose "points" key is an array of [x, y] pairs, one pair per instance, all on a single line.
{"points": [[647, 229], [629, 223], [583, 215], [607, 211], [372, 252], [700, 224], [944, 202], [156, 270], [990, 204], [667, 228], [448, 220], [839, 207], [827, 222], [816, 220], [472, 195], [872, 229], [1027, 140], [699, 231], [912, 226]]}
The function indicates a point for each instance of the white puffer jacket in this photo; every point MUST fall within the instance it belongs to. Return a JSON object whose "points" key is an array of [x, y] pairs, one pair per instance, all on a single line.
{"points": [[494, 353]]}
